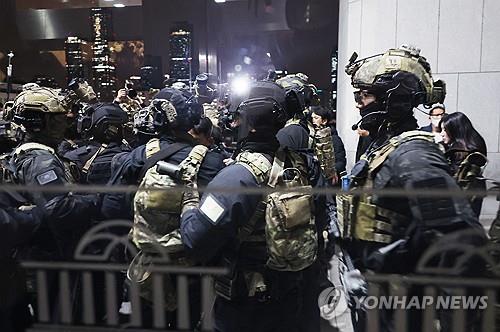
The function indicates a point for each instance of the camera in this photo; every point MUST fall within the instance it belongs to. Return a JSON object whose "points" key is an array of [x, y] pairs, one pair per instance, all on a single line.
{"points": [[83, 91]]}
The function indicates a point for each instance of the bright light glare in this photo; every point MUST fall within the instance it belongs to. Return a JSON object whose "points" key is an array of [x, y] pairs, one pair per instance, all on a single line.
{"points": [[240, 85], [119, 5], [220, 1]]}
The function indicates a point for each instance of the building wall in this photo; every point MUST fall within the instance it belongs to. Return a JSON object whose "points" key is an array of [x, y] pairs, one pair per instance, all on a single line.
{"points": [[460, 40]]}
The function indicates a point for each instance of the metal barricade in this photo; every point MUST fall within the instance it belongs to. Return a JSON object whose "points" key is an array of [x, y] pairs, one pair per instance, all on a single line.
{"points": [[85, 269]]}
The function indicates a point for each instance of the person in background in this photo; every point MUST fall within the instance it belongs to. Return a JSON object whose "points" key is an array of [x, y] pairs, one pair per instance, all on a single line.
{"points": [[461, 140], [320, 117], [435, 115]]}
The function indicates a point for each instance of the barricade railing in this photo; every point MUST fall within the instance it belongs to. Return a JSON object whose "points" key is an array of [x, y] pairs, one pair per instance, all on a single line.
{"points": [[430, 303], [67, 272], [58, 313]]}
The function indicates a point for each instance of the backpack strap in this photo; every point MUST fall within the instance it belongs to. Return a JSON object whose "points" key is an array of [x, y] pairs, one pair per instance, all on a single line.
{"points": [[255, 163], [379, 157], [160, 155], [191, 165], [152, 147], [277, 169], [260, 167], [86, 167]]}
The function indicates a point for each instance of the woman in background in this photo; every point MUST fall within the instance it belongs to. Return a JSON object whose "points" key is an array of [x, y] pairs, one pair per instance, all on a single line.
{"points": [[461, 140], [320, 117]]}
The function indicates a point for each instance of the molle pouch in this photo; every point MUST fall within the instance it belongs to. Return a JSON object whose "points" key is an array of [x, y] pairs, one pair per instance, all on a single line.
{"points": [[324, 151], [291, 235], [344, 214], [154, 209], [157, 209], [232, 286], [373, 223], [292, 209]]}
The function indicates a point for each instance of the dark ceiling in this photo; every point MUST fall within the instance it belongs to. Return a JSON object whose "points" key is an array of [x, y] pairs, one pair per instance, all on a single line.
{"points": [[59, 4]]}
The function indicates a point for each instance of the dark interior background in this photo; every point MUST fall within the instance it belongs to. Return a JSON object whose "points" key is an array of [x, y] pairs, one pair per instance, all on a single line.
{"points": [[299, 35]]}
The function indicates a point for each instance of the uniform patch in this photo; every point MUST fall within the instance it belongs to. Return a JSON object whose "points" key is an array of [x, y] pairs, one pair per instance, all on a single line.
{"points": [[212, 209], [46, 177]]}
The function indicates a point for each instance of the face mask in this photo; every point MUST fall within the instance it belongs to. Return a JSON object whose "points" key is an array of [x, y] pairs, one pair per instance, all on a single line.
{"points": [[371, 123]]}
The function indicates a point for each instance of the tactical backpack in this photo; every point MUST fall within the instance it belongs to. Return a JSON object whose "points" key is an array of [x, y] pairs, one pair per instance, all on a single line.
{"points": [[157, 213], [290, 231]]}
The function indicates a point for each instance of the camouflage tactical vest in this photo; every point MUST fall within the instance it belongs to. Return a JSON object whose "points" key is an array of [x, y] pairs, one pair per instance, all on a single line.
{"points": [[159, 211], [156, 225], [358, 217]]}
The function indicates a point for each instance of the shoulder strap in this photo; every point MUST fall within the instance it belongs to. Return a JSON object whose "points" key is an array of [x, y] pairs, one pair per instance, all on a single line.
{"points": [[277, 169], [160, 155], [256, 164], [378, 158], [86, 167], [152, 147], [32, 146], [310, 129], [191, 165]]}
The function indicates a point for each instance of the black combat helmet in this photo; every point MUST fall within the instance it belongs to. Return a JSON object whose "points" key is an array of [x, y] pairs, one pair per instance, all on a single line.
{"points": [[263, 111], [103, 121], [300, 94]]}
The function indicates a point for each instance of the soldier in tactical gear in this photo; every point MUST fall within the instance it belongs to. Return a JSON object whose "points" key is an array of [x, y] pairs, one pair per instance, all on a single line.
{"points": [[300, 95], [388, 234], [102, 125], [173, 113], [52, 222], [170, 118], [262, 293], [17, 228], [34, 163], [299, 133]]}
